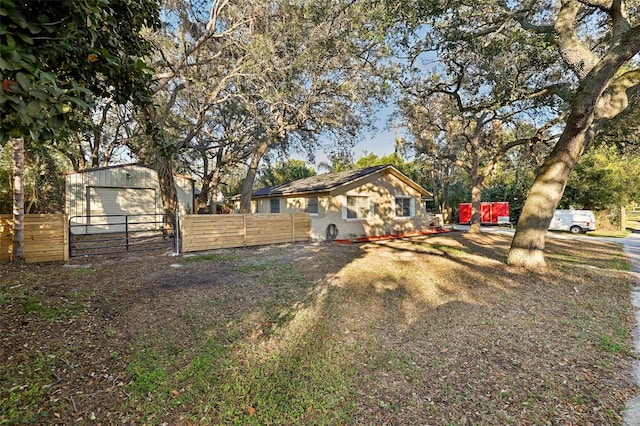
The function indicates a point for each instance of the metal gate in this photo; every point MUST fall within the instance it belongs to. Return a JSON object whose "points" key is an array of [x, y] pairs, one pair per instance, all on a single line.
{"points": [[121, 233]]}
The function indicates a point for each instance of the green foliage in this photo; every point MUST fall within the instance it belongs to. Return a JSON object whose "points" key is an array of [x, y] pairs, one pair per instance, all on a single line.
{"points": [[394, 159], [43, 181], [603, 178], [56, 56], [623, 131], [6, 167], [231, 388], [511, 181], [233, 181], [616, 343], [368, 160], [338, 160], [284, 172]]}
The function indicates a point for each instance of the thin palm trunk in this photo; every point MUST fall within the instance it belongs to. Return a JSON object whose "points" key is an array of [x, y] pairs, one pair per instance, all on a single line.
{"points": [[18, 200]]}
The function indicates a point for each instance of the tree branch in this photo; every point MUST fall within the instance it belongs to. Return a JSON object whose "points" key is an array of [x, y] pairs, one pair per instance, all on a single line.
{"points": [[521, 18], [615, 99], [575, 54]]}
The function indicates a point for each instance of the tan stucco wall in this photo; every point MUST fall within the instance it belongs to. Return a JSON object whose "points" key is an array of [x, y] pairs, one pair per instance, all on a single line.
{"points": [[381, 189]]}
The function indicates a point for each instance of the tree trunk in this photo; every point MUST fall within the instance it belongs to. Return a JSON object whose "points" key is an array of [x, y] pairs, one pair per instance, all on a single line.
{"points": [[18, 200], [203, 197], [527, 248], [476, 197], [80, 162], [436, 188], [161, 153], [247, 188], [168, 192]]}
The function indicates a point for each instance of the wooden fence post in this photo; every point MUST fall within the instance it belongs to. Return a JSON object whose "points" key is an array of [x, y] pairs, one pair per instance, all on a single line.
{"points": [[65, 239], [244, 229], [293, 227]]}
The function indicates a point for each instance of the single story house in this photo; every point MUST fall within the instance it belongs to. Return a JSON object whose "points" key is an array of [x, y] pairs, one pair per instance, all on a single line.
{"points": [[118, 191], [374, 201]]}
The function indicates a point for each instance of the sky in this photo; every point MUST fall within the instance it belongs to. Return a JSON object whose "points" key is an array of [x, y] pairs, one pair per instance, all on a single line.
{"points": [[380, 142]]}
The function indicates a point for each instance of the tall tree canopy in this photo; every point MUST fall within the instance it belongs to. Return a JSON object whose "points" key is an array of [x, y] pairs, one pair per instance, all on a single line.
{"points": [[284, 172], [287, 72], [579, 58]]}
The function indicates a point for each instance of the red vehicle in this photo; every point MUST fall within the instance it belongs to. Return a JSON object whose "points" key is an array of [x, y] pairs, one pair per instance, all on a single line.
{"points": [[496, 213]]}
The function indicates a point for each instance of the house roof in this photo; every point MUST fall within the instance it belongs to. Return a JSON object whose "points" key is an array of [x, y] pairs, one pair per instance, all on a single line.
{"points": [[330, 181]]}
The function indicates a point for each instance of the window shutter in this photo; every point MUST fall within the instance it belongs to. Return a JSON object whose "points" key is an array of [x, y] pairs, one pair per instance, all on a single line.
{"points": [[413, 206]]}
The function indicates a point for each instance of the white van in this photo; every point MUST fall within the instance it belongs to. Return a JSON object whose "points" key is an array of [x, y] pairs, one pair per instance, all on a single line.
{"points": [[574, 221]]}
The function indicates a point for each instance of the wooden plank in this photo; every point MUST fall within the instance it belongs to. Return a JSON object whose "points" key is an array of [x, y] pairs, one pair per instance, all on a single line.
{"points": [[43, 257], [255, 240], [209, 232], [202, 237], [217, 232], [274, 228], [65, 241], [244, 230], [43, 228], [266, 236], [43, 245], [217, 229], [44, 237], [211, 245]]}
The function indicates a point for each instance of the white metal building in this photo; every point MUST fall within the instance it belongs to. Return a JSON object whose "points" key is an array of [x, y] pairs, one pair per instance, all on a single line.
{"points": [[128, 189]]}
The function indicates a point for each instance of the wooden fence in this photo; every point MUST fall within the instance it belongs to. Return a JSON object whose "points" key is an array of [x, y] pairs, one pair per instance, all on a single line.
{"points": [[45, 238], [208, 232]]}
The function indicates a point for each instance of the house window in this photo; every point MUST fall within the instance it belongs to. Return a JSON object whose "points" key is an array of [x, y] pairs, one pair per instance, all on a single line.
{"points": [[357, 207], [312, 205], [404, 207], [275, 205], [430, 205]]}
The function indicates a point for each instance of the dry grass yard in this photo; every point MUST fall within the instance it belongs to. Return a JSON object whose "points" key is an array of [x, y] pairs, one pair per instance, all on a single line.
{"points": [[433, 330]]}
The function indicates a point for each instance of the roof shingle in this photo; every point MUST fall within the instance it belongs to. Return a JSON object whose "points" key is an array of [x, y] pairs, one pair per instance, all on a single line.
{"points": [[318, 183]]}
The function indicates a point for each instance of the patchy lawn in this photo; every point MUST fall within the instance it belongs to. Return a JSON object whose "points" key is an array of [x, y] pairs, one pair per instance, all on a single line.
{"points": [[432, 330]]}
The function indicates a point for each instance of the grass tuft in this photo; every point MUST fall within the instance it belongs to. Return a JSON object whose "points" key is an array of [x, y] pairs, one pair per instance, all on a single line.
{"points": [[211, 257]]}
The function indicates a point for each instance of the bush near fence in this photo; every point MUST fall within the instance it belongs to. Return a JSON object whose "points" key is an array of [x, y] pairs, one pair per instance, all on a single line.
{"points": [[209, 232], [45, 238]]}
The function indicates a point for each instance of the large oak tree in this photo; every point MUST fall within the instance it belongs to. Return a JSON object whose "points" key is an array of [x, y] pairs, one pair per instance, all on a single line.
{"points": [[597, 42], [586, 50], [287, 72]]}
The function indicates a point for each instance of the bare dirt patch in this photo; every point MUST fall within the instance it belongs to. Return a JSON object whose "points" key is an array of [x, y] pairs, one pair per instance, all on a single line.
{"points": [[430, 330]]}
